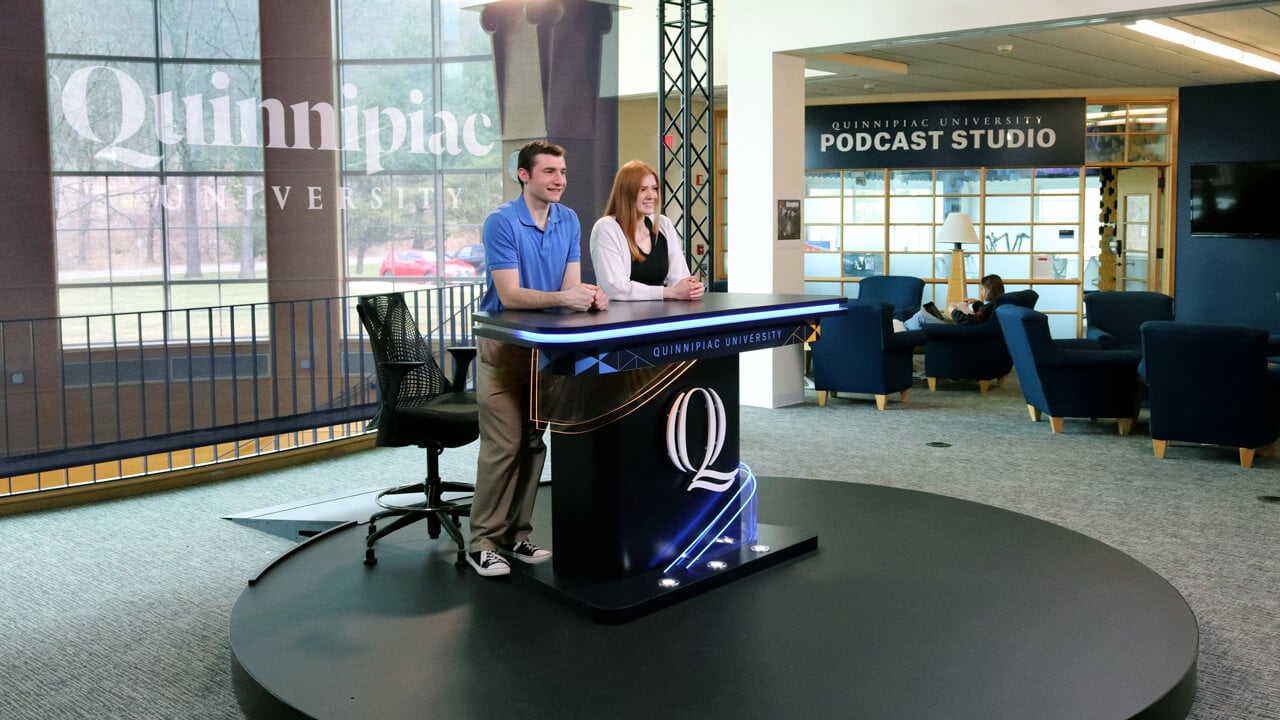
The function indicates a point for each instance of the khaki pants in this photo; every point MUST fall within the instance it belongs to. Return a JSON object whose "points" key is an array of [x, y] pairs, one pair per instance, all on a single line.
{"points": [[512, 451]]}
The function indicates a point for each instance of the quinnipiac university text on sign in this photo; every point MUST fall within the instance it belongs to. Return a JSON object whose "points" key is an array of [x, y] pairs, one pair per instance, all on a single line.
{"points": [[945, 134]]}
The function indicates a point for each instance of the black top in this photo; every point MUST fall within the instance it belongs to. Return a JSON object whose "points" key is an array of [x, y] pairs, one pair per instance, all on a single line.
{"points": [[653, 269]]}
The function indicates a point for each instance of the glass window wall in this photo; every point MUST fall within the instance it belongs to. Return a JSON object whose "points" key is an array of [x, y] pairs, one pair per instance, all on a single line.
{"points": [[1029, 221], [155, 165], [429, 169]]}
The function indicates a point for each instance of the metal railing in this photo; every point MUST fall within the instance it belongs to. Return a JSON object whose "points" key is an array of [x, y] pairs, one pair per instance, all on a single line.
{"points": [[92, 391]]}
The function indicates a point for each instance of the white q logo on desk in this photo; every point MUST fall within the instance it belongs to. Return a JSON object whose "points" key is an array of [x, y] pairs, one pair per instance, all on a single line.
{"points": [[677, 445]]}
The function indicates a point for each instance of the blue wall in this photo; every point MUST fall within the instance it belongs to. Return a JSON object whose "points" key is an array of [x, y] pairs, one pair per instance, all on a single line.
{"points": [[1226, 279]]}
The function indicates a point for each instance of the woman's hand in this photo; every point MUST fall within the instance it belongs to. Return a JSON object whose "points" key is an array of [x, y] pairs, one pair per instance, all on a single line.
{"points": [[687, 289]]}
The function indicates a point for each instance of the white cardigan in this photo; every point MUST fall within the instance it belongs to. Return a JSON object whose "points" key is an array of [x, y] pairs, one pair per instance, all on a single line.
{"points": [[611, 257]]}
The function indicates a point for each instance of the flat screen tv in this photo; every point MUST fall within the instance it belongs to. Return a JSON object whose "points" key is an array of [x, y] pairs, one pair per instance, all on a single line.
{"points": [[1236, 198]]}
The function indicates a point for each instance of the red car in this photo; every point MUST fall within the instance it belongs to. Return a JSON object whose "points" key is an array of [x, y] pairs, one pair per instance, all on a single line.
{"points": [[416, 263]]}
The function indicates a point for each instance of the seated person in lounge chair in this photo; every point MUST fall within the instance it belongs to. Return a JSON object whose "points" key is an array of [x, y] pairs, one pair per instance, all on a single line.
{"points": [[965, 312]]}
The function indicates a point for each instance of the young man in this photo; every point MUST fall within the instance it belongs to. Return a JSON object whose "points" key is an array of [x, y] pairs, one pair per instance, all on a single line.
{"points": [[532, 248]]}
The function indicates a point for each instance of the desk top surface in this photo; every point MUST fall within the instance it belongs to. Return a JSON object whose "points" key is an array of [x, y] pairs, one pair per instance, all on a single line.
{"points": [[653, 317]]}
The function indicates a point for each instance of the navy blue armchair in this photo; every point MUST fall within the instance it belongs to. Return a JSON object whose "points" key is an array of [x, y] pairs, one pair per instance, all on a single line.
{"points": [[1211, 384], [1114, 317], [859, 352], [1069, 378], [972, 352], [903, 292]]}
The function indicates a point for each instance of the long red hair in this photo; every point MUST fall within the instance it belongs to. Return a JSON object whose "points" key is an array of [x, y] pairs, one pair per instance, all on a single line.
{"points": [[622, 201]]}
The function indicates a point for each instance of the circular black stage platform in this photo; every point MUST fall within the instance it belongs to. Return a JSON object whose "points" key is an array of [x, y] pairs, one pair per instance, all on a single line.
{"points": [[915, 606]]}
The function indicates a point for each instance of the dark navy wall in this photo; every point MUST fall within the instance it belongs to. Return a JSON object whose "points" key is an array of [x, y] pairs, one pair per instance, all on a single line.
{"points": [[1226, 279]]}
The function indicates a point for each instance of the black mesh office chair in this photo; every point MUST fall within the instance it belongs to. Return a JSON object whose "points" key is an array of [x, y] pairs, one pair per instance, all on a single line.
{"points": [[419, 407]]}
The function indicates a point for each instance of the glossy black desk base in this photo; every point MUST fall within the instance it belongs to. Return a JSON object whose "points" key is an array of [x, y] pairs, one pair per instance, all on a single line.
{"points": [[619, 600]]}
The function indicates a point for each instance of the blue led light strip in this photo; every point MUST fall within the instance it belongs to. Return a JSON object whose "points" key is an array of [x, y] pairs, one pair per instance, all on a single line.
{"points": [[631, 331], [749, 484]]}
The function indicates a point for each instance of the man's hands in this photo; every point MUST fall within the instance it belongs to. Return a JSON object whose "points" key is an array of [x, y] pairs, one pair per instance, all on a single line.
{"points": [[583, 297], [687, 289]]}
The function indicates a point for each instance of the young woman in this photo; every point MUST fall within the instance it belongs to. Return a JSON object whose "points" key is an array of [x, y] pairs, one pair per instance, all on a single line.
{"points": [[635, 250], [965, 312]]}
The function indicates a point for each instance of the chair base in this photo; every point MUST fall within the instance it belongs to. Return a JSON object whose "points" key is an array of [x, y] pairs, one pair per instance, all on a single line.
{"points": [[983, 385], [1246, 454], [882, 400], [1124, 425], [439, 514]]}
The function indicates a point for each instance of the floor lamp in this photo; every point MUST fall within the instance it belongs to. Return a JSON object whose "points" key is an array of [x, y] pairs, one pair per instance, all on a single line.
{"points": [[957, 230]]}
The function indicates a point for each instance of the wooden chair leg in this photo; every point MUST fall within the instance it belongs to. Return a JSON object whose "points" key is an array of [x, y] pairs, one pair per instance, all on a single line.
{"points": [[905, 395], [1000, 380], [1125, 425], [1246, 457], [822, 398], [933, 383], [1055, 424], [882, 402], [984, 386], [1159, 446], [1034, 412]]}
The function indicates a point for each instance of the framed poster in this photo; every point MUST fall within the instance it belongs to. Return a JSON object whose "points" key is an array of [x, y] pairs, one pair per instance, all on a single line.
{"points": [[788, 219]]}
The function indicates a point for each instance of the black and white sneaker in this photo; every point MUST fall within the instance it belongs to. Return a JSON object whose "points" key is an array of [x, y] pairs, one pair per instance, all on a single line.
{"points": [[488, 563], [526, 552]]}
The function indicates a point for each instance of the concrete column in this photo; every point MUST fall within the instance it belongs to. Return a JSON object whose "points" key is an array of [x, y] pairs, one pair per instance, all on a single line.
{"points": [[304, 240], [28, 273], [767, 136], [29, 352]]}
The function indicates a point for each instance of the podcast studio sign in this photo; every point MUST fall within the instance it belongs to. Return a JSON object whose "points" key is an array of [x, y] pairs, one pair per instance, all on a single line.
{"points": [[985, 133]]}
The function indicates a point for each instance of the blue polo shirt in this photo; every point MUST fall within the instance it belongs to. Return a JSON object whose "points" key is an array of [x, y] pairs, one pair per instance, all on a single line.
{"points": [[512, 240]]}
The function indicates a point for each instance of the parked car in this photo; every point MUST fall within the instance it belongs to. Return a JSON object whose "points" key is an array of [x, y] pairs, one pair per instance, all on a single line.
{"points": [[416, 263], [473, 255]]}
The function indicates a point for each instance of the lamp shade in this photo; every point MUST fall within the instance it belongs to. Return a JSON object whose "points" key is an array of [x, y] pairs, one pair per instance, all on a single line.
{"points": [[957, 230]]}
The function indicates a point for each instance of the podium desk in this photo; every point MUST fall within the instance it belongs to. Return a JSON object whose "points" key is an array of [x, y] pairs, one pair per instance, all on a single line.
{"points": [[651, 502]]}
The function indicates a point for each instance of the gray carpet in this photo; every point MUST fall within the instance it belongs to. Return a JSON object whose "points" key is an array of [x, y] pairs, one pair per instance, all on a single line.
{"points": [[120, 609]]}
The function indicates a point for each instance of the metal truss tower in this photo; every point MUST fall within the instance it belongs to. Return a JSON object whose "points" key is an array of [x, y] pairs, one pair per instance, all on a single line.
{"points": [[685, 121]]}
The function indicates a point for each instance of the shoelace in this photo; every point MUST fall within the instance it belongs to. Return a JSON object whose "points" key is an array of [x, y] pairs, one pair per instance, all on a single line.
{"points": [[524, 547], [489, 557]]}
